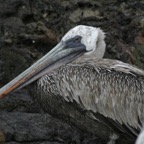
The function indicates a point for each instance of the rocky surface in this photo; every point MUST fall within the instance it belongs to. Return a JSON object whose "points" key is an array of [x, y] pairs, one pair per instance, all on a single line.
{"points": [[30, 28], [40, 127], [22, 120]]}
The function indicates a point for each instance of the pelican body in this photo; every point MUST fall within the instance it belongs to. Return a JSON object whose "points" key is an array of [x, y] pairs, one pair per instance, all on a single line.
{"points": [[75, 84]]}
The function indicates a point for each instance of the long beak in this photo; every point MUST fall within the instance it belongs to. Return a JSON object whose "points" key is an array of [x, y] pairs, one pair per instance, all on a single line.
{"points": [[58, 56]]}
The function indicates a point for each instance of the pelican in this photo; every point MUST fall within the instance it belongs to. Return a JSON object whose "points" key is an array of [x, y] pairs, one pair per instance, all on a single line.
{"points": [[140, 139], [74, 83]]}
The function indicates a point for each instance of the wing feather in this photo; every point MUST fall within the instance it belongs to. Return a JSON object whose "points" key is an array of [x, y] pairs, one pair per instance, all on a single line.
{"points": [[110, 87]]}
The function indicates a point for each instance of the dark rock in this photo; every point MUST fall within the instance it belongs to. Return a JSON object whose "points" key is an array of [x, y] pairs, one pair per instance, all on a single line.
{"points": [[21, 127], [30, 28], [33, 127], [46, 142], [19, 101], [2, 138]]}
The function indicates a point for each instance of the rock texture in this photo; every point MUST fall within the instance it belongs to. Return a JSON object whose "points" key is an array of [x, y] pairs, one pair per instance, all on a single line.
{"points": [[22, 120], [30, 28]]}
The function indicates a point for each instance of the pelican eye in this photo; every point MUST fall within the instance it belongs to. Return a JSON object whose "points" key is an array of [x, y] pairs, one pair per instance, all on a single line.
{"points": [[77, 38], [74, 42]]}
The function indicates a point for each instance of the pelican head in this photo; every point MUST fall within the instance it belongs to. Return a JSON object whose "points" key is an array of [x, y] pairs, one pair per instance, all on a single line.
{"points": [[79, 41]]}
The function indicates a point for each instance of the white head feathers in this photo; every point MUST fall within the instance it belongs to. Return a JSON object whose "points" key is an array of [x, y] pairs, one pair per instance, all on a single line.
{"points": [[89, 36]]}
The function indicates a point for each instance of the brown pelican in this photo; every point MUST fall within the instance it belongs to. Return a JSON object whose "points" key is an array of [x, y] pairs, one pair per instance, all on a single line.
{"points": [[74, 83]]}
